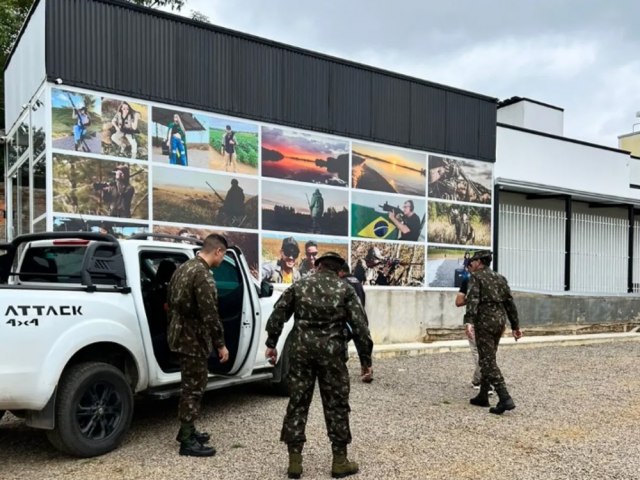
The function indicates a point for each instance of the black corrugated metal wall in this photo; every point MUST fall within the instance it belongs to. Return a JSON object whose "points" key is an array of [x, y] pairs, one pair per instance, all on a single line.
{"points": [[119, 48]]}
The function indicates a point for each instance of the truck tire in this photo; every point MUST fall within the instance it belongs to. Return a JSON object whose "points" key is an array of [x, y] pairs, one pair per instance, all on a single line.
{"points": [[281, 386], [94, 406], [1, 414]]}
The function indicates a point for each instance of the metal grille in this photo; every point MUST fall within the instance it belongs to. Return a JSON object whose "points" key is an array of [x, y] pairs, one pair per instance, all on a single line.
{"points": [[599, 253], [636, 257], [531, 247]]}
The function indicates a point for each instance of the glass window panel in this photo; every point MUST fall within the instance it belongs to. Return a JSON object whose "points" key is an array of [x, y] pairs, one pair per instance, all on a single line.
{"points": [[15, 206], [37, 126], [40, 226], [39, 188], [22, 139], [12, 151], [24, 197]]}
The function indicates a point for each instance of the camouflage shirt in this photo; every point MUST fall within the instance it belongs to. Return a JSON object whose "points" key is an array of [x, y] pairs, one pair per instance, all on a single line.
{"points": [[194, 324], [489, 300], [322, 304]]}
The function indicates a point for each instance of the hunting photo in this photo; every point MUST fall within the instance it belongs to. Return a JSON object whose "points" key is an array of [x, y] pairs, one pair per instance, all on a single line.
{"points": [[234, 145], [388, 263], [187, 196], [455, 224], [460, 180], [246, 241], [88, 186], [82, 224], [76, 121], [388, 169], [304, 157], [290, 207], [124, 129], [387, 217], [288, 257]]}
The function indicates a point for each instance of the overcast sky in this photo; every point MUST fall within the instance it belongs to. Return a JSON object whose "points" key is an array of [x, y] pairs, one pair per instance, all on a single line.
{"points": [[580, 55]]}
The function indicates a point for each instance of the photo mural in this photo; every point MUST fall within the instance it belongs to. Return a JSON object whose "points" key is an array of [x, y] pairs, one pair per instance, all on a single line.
{"points": [[402, 218]]}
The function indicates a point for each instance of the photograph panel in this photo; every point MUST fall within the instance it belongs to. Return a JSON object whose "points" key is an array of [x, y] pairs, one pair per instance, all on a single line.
{"points": [[76, 121], [460, 180], [246, 241], [293, 155], [117, 229], [89, 186], [303, 208], [179, 138], [187, 196], [383, 217], [387, 263], [125, 126], [234, 145], [457, 224], [288, 257], [447, 267], [388, 169]]}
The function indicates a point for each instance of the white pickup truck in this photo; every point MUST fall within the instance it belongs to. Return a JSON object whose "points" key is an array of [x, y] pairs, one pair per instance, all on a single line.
{"points": [[83, 330]]}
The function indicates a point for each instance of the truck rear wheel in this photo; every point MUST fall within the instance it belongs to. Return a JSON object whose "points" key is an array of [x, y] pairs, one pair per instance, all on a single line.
{"points": [[94, 406]]}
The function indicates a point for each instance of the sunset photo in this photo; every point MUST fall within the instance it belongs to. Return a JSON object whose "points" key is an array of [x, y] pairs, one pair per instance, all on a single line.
{"points": [[304, 157], [388, 169]]}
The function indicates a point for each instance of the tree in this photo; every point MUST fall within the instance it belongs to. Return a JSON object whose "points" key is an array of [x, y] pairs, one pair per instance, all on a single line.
{"points": [[14, 13]]}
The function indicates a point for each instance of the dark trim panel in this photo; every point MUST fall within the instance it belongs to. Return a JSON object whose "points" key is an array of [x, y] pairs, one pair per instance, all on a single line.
{"points": [[118, 48], [632, 223], [568, 208]]}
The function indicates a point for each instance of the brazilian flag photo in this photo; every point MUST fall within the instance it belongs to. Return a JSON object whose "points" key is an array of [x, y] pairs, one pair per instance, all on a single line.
{"points": [[367, 222]]}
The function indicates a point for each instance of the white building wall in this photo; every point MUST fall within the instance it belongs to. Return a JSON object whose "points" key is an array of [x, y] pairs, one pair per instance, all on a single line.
{"points": [[562, 166], [533, 116], [26, 69]]}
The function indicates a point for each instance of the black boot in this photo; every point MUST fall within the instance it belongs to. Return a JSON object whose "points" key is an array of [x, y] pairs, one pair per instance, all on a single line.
{"points": [[202, 437], [189, 443], [505, 403], [482, 399], [194, 448]]}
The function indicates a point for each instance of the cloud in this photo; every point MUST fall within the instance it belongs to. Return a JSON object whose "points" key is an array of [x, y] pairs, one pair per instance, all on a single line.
{"points": [[576, 54]]}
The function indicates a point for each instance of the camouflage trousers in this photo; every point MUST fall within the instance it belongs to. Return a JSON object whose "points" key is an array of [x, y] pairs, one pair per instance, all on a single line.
{"points": [[194, 380], [488, 336], [333, 380]]}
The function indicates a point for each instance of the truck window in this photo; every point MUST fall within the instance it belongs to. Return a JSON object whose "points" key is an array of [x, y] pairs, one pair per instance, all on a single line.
{"points": [[60, 264], [229, 285], [52, 264]]}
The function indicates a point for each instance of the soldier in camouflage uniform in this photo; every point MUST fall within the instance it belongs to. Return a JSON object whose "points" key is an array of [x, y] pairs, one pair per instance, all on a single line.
{"points": [[347, 277], [321, 304], [194, 330], [489, 306]]}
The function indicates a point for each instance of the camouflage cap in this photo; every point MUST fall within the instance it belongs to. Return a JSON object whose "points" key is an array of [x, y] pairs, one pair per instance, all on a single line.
{"points": [[482, 255], [327, 256]]}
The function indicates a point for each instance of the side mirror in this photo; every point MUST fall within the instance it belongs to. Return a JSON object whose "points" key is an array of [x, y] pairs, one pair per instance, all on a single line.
{"points": [[266, 289]]}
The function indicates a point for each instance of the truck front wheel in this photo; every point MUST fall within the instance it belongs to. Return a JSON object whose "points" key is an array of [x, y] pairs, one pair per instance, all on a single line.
{"points": [[94, 406]]}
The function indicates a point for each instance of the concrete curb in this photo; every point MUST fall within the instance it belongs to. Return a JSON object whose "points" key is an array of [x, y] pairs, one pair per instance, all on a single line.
{"points": [[415, 349]]}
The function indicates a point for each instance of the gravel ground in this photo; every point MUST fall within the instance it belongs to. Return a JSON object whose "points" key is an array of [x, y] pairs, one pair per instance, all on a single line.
{"points": [[577, 417]]}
